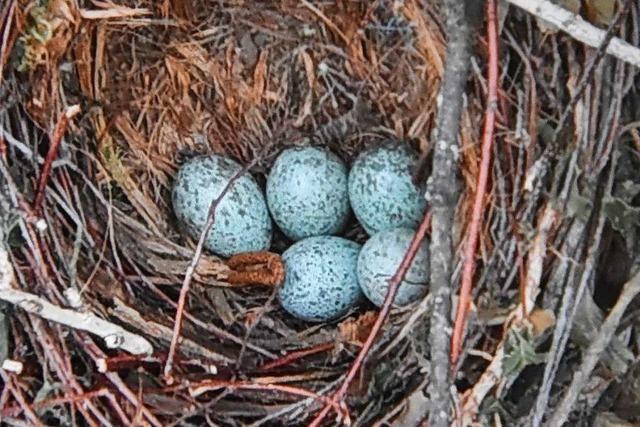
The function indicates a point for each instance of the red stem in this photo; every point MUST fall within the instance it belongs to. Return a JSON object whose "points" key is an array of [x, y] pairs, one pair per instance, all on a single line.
{"points": [[394, 283], [478, 204], [13, 411], [295, 355], [56, 139]]}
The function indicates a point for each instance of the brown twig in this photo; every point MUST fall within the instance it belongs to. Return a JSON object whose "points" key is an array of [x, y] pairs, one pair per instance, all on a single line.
{"points": [[55, 141], [483, 176], [14, 411], [184, 291], [394, 283], [260, 268], [9, 382], [210, 385], [96, 355], [296, 355]]}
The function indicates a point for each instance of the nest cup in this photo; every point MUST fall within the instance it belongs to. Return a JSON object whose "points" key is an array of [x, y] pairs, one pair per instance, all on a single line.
{"points": [[242, 83]]}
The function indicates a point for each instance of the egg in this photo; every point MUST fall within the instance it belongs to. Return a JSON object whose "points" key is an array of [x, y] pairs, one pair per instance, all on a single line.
{"points": [[379, 260], [241, 223], [381, 190], [320, 278], [307, 192]]}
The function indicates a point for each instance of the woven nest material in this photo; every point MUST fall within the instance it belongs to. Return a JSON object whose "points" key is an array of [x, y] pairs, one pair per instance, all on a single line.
{"points": [[156, 83]]}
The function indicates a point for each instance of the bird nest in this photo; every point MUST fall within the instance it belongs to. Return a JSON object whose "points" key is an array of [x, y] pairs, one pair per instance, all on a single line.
{"points": [[102, 104]]}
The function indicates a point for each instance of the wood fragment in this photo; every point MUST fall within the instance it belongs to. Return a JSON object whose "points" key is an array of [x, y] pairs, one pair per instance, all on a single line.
{"points": [[113, 335], [579, 29]]}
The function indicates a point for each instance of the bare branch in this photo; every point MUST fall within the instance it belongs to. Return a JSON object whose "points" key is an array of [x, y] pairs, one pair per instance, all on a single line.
{"points": [[579, 29]]}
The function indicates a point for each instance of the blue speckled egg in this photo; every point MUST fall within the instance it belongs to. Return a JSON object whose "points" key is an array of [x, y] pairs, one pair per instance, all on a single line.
{"points": [[381, 191], [307, 192], [320, 278], [242, 221], [379, 259]]}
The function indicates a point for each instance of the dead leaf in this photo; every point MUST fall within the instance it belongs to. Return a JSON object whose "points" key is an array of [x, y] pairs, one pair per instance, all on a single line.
{"points": [[541, 320], [356, 330], [600, 12]]}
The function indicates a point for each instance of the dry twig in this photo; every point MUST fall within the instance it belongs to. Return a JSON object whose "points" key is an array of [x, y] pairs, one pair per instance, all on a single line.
{"points": [[592, 355], [579, 29], [113, 335], [443, 195], [54, 144], [184, 291]]}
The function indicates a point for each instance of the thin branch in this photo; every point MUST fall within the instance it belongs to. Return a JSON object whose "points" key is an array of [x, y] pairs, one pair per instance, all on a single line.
{"points": [[483, 176], [587, 73], [210, 385], [593, 353], [567, 312], [13, 411], [114, 335], [296, 355], [494, 373], [443, 196], [184, 291], [9, 382], [394, 283], [54, 144], [579, 29]]}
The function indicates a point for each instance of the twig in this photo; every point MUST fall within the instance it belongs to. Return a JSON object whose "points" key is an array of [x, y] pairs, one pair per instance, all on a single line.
{"points": [[493, 373], [55, 141], [159, 331], [210, 385], [579, 29], [567, 311], [326, 20], [184, 291], [295, 355], [587, 73], [112, 11], [7, 14], [97, 355], [443, 194], [483, 176], [9, 382], [394, 283], [13, 411], [114, 335], [593, 353]]}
